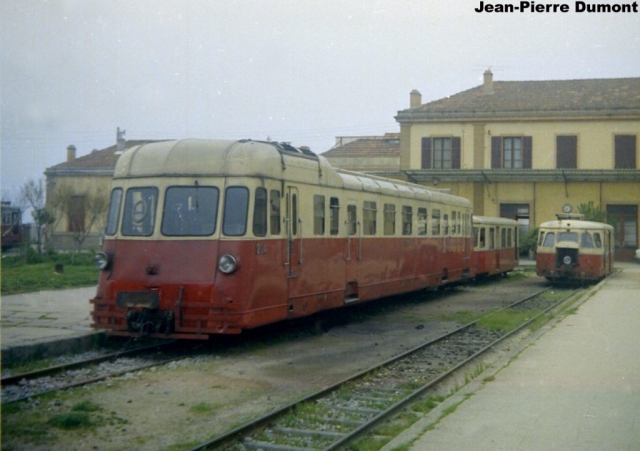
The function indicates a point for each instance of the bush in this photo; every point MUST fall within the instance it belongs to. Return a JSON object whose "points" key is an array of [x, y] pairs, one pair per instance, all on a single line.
{"points": [[529, 241]]}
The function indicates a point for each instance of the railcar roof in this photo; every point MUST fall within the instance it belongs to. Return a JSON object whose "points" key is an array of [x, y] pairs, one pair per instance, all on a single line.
{"points": [[574, 224], [491, 220], [271, 160]]}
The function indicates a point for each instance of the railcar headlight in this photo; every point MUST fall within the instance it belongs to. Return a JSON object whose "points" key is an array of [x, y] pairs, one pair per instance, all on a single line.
{"points": [[102, 260], [227, 264], [566, 260]]}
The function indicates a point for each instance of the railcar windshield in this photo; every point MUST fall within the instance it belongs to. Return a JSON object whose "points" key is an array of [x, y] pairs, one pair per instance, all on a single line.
{"points": [[586, 241], [190, 211], [568, 236], [139, 211], [114, 212], [236, 207], [549, 239]]}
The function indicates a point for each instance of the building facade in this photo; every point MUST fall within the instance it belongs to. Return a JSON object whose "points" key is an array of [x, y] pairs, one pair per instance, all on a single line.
{"points": [[77, 194], [528, 150]]}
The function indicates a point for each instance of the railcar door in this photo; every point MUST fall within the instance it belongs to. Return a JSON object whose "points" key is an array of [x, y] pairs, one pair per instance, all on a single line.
{"points": [[353, 248], [293, 225]]}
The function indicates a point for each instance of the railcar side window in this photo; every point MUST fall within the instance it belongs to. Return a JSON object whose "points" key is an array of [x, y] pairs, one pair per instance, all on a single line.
{"points": [[435, 222], [190, 211], [445, 225], [114, 212], [318, 215], [369, 213], [352, 219], [492, 238], [597, 239], [475, 237], [422, 221], [586, 241], [503, 238], [274, 212], [483, 238], [139, 211], [236, 205], [334, 217], [389, 219], [407, 219], [454, 223], [260, 212], [549, 239]]}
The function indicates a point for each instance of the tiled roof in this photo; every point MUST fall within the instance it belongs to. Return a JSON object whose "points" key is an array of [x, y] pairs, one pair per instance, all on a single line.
{"points": [[381, 146], [617, 96], [98, 161]]}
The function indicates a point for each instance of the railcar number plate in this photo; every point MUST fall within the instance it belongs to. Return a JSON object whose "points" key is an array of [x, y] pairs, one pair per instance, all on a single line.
{"points": [[148, 299]]}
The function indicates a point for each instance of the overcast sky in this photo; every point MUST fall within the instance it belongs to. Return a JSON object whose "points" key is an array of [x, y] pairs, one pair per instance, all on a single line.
{"points": [[302, 71]]}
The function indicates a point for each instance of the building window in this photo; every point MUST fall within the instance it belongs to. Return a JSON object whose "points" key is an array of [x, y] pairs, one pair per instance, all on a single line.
{"points": [[567, 152], [511, 152], [441, 153], [76, 214], [625, 151]]}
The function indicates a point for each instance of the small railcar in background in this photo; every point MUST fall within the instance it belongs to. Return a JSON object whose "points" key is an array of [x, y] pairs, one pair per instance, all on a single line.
{"points": [[211, 237], [11, 226], [572, 249], [495, 246]]}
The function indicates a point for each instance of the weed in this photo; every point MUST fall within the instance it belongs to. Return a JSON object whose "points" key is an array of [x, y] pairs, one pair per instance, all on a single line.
{"points": [[202, 407], [506, 320], [86, 406], [71, 421]]}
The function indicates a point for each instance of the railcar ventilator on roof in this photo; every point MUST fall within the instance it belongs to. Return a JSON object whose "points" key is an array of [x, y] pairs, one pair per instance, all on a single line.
{"points": [[212, 237]]}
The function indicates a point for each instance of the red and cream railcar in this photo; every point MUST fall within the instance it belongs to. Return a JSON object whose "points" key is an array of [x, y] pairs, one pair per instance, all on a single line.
{"points": [[213, 237], [495, 246], [571, 249]]}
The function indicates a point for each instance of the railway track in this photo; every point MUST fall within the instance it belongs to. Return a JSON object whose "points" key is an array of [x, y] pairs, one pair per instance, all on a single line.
{"points": [[27, 385], [340, 414]]}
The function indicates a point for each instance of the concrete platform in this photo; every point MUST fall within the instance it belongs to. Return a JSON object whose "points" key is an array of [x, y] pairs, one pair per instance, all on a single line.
{"points": [[577, 387], [46, 323]]}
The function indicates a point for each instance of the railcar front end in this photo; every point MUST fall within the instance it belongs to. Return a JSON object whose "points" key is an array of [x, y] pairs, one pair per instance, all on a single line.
{"points": [[574, 250]]}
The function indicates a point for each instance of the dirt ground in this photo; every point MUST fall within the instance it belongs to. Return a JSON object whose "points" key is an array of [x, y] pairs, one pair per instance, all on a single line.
{"points": [[182, 404]]}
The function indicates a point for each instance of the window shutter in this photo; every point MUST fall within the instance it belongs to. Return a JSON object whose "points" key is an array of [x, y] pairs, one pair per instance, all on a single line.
{"points": [[567, 152], [455, 153], [426, 153], [625, 152], [527, 151], [496, 152]]}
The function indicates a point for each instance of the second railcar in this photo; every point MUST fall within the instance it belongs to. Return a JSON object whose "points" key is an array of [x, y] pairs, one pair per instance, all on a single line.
{"points": [[495, 246], [571, 249], [212, 237]]}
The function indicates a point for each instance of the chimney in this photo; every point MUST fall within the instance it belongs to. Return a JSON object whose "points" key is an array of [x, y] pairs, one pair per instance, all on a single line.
{"points": [[120, 141], [488, 82], [71, 153], [415, 99]]}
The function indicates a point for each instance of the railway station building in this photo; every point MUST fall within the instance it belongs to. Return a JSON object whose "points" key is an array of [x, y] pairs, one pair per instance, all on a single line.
{"points": [[527, 150], [78, 194]]}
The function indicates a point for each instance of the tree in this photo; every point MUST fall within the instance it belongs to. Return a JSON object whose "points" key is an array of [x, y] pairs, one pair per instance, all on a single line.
{"points": [[592, 213], [32, 193], [84, 212]]}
